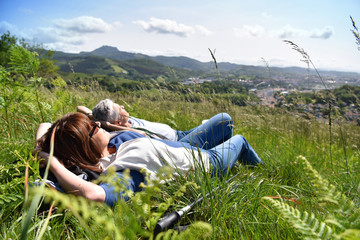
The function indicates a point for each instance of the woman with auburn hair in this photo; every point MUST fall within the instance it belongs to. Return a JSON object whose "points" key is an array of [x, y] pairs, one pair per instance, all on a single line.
{"points": [[72, 146], [82, 143]]}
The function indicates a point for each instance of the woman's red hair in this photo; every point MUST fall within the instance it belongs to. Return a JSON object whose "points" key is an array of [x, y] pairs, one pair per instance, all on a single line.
{"points": [[72, 144]]}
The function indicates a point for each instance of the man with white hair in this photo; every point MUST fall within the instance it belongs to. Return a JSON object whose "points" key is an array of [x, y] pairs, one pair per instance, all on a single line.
{"points": [[114, 117]]}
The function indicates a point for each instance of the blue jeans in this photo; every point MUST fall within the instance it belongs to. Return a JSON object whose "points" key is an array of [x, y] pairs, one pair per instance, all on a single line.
{"points": [[224, 156], [215, 131]]}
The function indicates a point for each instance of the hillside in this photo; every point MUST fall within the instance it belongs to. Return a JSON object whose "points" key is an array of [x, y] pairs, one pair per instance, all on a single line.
{"points": [[106, 61], [133, 64], [111, 62]]}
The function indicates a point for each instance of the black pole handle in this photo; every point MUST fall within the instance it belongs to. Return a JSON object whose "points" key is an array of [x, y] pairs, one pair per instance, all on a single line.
{"points": [[167, 222]]}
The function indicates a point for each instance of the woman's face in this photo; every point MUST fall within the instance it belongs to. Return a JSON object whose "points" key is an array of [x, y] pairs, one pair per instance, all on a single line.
{"points": [[123, 114], [100, 136]]}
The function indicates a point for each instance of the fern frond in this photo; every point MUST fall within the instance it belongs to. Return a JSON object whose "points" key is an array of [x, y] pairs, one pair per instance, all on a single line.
{"points": [[168, 235], [84, 210], [15, 186], [304, 223], [6, 199], [350, 234], [11, 194], [23, 61], [197, 230], [346, 213], [324, 189]]}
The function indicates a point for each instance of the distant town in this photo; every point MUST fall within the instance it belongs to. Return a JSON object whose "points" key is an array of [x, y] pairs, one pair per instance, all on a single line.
{"points": [[271, 95]]}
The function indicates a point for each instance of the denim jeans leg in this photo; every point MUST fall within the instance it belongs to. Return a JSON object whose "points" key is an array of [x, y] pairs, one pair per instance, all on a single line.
{"points": [[224, 156], [213, 132]]}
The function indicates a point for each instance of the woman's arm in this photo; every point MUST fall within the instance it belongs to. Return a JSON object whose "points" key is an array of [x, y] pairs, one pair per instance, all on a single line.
{"points": [[72, 183], [42, 129], [85, 110]]}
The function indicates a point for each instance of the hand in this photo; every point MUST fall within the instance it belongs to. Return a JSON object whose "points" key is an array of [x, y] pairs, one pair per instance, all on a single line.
{"points": [[42, 157], [107, 125]]}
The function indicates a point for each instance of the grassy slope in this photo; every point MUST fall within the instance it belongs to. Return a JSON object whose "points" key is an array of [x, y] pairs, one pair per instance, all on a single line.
{"points": [[234, 214]]}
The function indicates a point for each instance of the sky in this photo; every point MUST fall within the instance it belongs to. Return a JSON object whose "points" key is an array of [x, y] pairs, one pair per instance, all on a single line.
{"points": [[236, 31]]}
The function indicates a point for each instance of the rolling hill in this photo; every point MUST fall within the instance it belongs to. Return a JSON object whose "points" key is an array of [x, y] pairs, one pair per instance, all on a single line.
{"points": [[110, 61]]}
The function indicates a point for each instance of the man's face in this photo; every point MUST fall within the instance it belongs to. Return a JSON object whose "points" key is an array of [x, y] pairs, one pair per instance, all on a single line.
{"points": [[123, 114]]}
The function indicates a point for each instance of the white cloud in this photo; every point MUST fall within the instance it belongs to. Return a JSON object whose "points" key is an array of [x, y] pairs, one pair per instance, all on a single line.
{"points": [[47, 35], [290, 32], [83, 24], [257, 31], [324, 33], [249, 31], [66, 47], [54, 35], [167, 26], [203, 30], [64, 31], [65, 34], [116, 24]]}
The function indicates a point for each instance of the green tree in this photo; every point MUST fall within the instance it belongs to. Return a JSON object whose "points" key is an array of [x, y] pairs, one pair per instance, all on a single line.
{"points": [[46, 68], [6, 42], [18, 79]]}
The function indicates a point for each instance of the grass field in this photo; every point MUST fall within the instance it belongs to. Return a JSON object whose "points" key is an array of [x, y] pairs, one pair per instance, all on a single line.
{"points": [[229, 213], [307, 188]]}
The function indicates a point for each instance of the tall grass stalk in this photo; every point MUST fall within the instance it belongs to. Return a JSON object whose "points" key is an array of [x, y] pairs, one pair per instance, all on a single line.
{"points": [[308, 61], [355, 32], [212, 53], [29, 213]]}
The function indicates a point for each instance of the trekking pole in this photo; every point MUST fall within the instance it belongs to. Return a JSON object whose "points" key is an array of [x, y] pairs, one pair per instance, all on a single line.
{"points": [[169, 220]]}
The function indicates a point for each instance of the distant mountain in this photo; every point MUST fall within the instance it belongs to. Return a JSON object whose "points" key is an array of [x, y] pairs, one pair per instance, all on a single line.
{"points": [[110, 61], [182, 62], [176, 62], [113, 53]]}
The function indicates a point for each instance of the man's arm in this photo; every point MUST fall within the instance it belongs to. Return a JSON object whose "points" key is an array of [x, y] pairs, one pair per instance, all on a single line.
{"points": [[106, 125], [112, 127], [86, 111]]}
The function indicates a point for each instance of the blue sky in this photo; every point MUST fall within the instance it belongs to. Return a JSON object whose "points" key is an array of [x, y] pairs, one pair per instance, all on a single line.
{"points": [[240, 31]]}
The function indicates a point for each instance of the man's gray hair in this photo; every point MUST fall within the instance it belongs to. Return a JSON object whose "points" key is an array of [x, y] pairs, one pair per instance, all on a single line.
{"points": [[104, 111]]}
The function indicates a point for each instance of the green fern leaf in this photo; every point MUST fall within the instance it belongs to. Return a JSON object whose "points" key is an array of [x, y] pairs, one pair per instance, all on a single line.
{"points": [[197, 230], [23, 61], [306, 224], [345, 214], [350, 234]]}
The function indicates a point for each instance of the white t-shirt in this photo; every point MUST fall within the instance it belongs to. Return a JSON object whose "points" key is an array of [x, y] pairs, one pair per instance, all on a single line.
{"points": [[155, 127], [151, 155]]}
